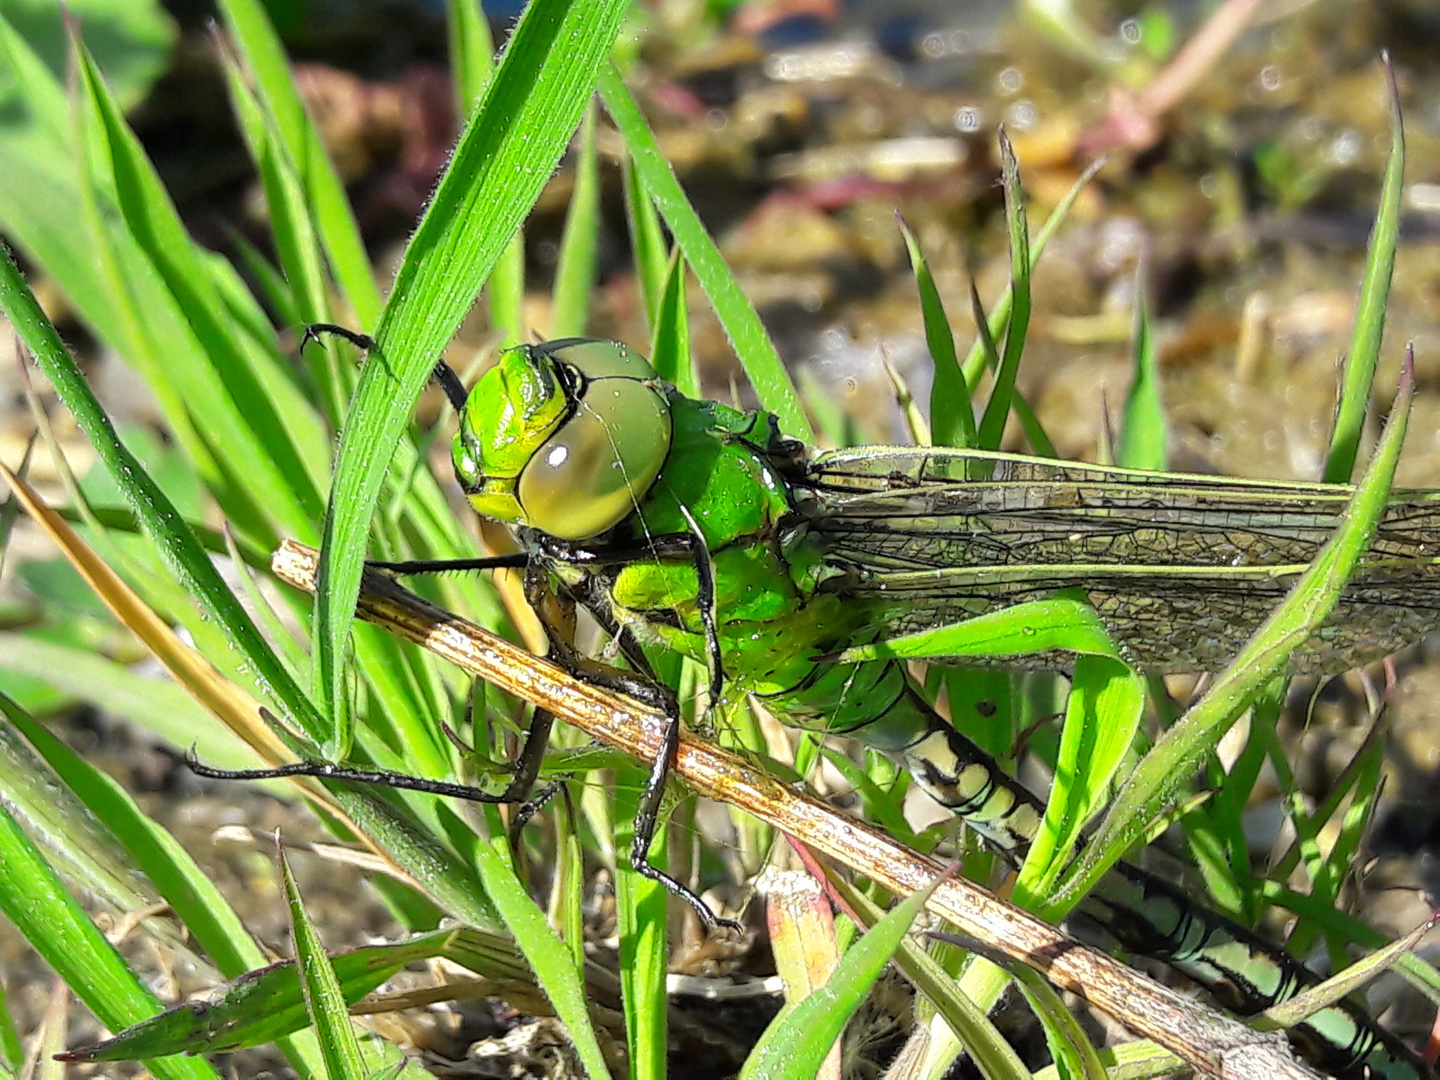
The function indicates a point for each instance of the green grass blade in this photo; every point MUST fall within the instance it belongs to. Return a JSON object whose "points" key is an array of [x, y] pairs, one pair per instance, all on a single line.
{"points": [[472, 50], [952, 413], [1143, 431], [994, 1057], [649, 251], [298, 247], [1066, 621], [259, 1007], [56, 926], [999, 319], [579, 256], [796, 1044], [548, 957], [737, 315], [160, 707], [641, 909], [997, 408], [1102, 714], [339, 1048], [261, 49], [507, 152], [1364, 354], [670, 350], [506, 293]]}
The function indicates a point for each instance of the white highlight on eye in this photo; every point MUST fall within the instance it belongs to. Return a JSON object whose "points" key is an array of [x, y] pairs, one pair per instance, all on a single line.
{"points": [[557, 455]]}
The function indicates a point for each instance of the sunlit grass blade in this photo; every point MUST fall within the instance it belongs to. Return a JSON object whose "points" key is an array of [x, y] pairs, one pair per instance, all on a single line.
{"points": [[472, 50], [37, 774], [975, 360], [324, 1002], [967, 1020], [298, 248], [641, 909], [575, 266], [1215, 834], [1364, 354], [472, 60], [516, 135], [56, 926], [1143, 431], [267, 1004], [796, 1044], [670, 350], [647, 241], [42, 196], [547, 954], [1349, 980], [261, 50], [264, 1005], [1102, 714], [161, 707], [737, 315], [1065, 622], [952, 413], [997, 407]]}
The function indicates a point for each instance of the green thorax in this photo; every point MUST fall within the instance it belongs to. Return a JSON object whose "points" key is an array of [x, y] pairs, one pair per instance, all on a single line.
{"points": [[732, 470]]}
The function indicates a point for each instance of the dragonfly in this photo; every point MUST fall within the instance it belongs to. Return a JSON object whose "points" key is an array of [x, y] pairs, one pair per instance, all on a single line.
{"points": [[702, 528]]}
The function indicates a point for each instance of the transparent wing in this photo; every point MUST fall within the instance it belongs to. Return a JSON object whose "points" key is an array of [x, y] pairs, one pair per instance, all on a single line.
{"points": [[1181, 567]]}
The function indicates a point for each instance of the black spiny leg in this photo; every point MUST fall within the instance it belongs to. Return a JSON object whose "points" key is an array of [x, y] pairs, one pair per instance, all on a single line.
{"points": [[653, 796], [527, 767], [443, 374], [642, 685]]}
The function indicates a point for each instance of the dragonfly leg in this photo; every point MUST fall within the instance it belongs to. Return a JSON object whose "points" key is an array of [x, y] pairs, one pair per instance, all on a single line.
{"points": [[533, 805], [646, 820], [522, 781], [641, 684], [443, 374]]}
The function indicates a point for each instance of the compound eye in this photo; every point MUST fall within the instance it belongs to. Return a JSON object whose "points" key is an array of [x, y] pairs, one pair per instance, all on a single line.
{"points": [[597, 468], [596, 358]]}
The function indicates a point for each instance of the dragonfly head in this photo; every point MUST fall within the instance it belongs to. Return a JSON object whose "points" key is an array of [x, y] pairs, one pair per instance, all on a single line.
{"points": [[564, 437]]}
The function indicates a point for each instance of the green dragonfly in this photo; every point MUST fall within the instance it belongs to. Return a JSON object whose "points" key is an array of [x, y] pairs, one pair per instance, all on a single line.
{"points": [[702, 528]]}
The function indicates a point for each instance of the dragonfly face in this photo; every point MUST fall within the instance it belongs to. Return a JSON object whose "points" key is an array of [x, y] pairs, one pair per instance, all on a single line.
{"points": [[563, 437]]}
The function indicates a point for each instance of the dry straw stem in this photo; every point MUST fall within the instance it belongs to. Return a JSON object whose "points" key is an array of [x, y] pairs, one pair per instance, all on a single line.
{"points": [[1214, 1044]]}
